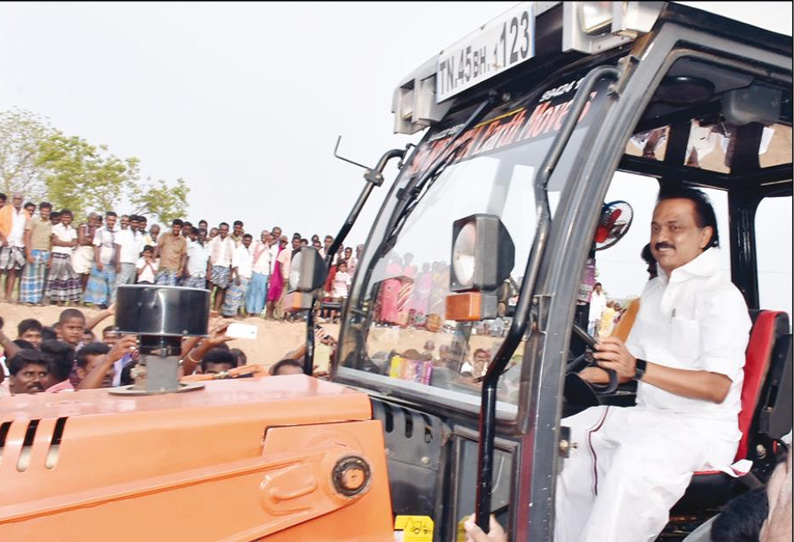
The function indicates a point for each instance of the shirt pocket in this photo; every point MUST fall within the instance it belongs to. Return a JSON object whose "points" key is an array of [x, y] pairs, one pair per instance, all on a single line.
{"points": [[684, 338]]}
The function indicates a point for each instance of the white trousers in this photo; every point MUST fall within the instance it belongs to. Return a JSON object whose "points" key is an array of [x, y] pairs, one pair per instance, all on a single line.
{"points": [[630, 466]]}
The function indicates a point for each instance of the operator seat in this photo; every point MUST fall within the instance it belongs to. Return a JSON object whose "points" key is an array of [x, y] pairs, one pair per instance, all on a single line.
{"points": [[765, 416]]}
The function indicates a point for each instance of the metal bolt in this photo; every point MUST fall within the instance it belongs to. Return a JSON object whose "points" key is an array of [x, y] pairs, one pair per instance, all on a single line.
{"points": [[760, 451], [565, 446], [425, 460]]}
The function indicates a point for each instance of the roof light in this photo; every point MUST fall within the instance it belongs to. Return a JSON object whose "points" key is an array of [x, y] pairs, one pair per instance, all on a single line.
{"points": [[596, 17]]}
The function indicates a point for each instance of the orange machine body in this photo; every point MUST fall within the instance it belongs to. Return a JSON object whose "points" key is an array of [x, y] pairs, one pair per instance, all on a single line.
{"points": [[239, 460]]}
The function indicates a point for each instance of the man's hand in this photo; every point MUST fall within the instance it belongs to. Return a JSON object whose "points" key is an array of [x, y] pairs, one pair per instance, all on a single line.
{"points": [[127, 343], [475, 534], [99, 266], [612, 354], [118, 267], [218, 334]]}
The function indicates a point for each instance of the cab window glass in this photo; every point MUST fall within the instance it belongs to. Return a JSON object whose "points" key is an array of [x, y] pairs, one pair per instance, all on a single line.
{"points": [[773, 248], [620, 269], [651, 144], [775, 146]]}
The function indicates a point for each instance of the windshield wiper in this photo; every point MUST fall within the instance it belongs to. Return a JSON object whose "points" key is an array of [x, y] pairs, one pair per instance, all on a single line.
{"points": [[415, 190]]}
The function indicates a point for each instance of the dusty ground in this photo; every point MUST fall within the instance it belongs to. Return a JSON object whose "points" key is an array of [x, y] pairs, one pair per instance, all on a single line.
{"points": [[274, 339]]}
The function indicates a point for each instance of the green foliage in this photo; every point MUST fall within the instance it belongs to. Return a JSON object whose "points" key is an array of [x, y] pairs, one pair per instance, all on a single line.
{"points": [[84, 177], [20, 134], [159, 201], [44, 163]]}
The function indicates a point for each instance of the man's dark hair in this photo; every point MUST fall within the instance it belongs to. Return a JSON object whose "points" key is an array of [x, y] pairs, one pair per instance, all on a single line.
{"points": [[29, 204], [238, 223], [202, 220], [296, 235], [45, 205], [741, 519], [91, 349], [287, 362], [223, 224], [48, 333], [23, 344], [704, 212], [218, 355], [177, 222], [187, 224], [110, 328], [23, 358], [248, 236], [194, 231], [647, 256], [3, 197], [28, 324], [111, 213], [61, 358], [147, 247], [68, 314], [241, 358], [66, 212]]}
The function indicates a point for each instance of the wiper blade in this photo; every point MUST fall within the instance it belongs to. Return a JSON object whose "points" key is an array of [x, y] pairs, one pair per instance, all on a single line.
{"points": [[413, 193]]}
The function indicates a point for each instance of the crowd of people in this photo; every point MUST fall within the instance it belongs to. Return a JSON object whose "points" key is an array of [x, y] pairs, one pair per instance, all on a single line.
{"points": [[70, 355], [45, 259]]}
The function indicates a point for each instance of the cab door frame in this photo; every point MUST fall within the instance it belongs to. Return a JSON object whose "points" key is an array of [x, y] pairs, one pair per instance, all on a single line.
{"points": [[553, 303]]}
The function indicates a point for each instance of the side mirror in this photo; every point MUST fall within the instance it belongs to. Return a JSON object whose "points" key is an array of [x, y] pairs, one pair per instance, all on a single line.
{"points": [[483, 254], [307, 274]]}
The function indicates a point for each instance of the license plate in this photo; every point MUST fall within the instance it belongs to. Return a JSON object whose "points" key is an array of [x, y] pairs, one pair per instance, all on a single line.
{"points": [[490, 50]]}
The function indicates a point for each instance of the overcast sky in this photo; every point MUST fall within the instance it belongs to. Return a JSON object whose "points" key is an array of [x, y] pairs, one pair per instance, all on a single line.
{"points": [[243, 100]]}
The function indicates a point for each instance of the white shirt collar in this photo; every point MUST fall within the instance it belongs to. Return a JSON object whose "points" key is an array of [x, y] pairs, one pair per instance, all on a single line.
{"points": [[704, 265]]}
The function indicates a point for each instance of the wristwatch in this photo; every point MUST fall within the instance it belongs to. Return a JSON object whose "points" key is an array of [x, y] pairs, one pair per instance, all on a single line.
{"points": [[639, 370]]}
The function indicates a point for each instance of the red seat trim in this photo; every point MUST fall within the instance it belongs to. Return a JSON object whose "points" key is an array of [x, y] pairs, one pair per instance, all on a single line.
{"points": [[756, 365]]}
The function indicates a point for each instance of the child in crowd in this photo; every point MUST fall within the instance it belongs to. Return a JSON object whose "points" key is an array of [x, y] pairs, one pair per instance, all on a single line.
{"points": [[146, 266]]}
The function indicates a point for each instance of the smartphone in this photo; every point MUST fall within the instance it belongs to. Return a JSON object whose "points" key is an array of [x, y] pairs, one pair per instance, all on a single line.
{"points": [[237, 330]]}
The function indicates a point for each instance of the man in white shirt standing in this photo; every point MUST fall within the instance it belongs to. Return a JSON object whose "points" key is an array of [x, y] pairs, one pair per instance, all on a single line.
{"points": [[128, 249], [12, 232], [598, 302], [686, 351], [101, 288], [257, 291], [242, 269], [198, 254], [219, 267]]}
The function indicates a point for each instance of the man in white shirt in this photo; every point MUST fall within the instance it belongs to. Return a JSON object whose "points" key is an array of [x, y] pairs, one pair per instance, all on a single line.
{"points": [[128, 249], [219, 267], [101, 288], [242, 269], [198, 254], [12, 233], [598, 302], [256, 296], [633, 464]]}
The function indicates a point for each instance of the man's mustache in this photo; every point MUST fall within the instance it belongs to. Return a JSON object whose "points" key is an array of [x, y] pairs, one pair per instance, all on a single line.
{"points": [[661, 245]]}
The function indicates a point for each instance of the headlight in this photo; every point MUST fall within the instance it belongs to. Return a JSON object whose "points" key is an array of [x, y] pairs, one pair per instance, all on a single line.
{"points": [[307, 271], [463, 257], [295, 271], [482, 253]]}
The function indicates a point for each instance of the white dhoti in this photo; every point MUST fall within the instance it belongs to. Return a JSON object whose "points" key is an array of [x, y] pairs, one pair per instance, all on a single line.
{"points": [[83, 259], [630, 467]]}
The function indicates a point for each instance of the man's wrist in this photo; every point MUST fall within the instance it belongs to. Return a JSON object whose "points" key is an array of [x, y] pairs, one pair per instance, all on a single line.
{"points": [[639, 369]]}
